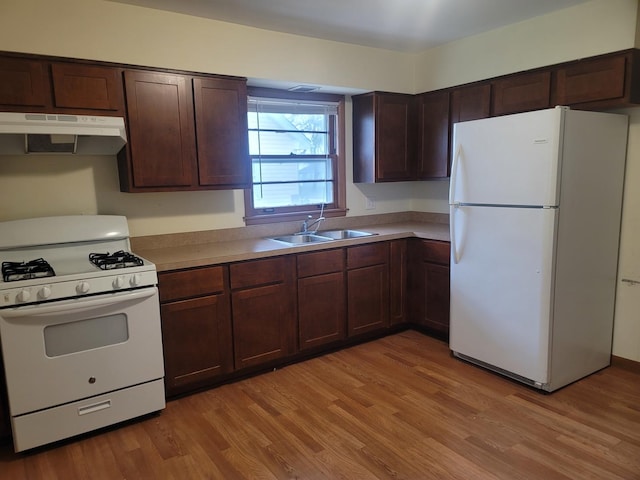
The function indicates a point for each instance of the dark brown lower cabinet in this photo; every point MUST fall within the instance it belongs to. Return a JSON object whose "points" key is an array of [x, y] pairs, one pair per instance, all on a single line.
{"points": [[367, 288], [263, 298], [398, 277], [196, 332], [321, 298], [430, 285]]}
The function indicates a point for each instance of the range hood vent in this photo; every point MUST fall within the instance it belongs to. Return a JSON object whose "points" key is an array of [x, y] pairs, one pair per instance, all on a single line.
{"points": [[40, 133]]}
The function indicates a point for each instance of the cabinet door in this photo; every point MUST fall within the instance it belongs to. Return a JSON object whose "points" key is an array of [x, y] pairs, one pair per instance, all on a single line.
{"points": [[264, 310], [398, 281], [321, 309], [87, 87], [23, 83], [161, 132], [196, 336], [470, 103], [367, 299], [522, 93], [436, 298], [592, 80], [429, 285], [395, 138], [433, 135], [221, 132], [383, 137]]}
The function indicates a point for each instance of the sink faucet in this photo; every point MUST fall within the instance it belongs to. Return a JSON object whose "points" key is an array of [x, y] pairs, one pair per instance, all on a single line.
{"points": [[307, 224]]}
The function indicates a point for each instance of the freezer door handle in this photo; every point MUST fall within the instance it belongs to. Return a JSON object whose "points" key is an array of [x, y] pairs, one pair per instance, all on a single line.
{"points": [[455, 165]]}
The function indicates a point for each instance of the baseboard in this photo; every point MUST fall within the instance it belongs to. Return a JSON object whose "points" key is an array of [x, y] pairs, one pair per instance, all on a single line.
{"points": [[625, 364]]}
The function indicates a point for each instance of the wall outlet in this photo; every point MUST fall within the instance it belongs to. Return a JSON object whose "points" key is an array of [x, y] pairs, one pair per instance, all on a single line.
{"points": [[369, 203]]}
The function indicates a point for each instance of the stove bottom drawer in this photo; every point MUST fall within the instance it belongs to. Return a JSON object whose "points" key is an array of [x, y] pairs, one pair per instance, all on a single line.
{"points": [[57, 423]]}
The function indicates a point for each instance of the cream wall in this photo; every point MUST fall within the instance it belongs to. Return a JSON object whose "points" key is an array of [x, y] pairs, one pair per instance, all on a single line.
{"points": [[101, 30], [96, 29], [594, 28]]}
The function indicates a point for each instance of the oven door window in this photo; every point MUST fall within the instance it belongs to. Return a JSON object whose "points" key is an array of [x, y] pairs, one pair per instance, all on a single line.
{"points": [[83, 335]]}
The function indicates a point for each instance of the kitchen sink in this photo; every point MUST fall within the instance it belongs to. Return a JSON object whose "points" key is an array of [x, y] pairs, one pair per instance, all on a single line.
{"points": [[344, 234], [302, 239]]}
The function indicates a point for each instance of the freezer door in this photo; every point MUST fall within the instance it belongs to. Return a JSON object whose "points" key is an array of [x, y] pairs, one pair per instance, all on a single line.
{"points": [[510, 160], [501, 287]]}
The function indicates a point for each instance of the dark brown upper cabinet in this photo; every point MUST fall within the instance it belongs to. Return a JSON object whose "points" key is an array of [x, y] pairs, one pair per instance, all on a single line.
{"points": [[608, 81], [185, 133], [221, 132], [383, 137], [23, 83], [33, 85], [78, 86], [433, 135], [470, 103], [161, 142], [521, 93]]}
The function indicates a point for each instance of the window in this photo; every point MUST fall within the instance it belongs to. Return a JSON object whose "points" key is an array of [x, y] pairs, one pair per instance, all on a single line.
{"points": [[297, 156]]}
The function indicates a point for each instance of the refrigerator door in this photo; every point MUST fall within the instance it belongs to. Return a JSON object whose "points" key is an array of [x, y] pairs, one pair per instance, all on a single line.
{"points": [[510, 160], [501, 287]]}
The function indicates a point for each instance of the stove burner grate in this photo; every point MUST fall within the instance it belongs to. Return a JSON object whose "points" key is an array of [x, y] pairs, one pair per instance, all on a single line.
{"points": [[38, 268], [119, 259]]}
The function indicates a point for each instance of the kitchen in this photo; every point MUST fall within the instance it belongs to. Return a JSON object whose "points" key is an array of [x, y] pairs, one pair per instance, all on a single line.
{"points": [[601, 27]]}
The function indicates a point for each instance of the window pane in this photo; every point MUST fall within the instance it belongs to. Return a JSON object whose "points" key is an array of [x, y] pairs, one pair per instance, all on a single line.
{"points": [[292, 194], [291, 169], [284, 134]]}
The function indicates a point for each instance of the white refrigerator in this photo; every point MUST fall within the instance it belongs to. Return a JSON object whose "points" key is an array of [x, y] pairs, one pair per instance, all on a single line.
{"points": [[535, 206]]}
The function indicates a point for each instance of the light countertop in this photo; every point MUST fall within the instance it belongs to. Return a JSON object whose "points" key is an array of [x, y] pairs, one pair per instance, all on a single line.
{"points": [[188, 255]]}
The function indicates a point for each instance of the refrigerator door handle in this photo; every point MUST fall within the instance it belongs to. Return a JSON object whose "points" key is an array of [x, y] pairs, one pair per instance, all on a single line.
{"points": [[454, 175], [452, 232]]}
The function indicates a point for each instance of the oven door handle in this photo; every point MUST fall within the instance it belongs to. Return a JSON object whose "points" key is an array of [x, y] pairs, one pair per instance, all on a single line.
{"points": [[80, 304]]}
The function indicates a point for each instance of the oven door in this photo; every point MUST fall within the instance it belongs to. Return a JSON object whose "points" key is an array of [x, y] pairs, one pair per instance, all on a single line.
{"points": [[64, 351]]}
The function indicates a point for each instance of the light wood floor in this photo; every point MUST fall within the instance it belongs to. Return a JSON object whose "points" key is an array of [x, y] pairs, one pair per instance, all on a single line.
{"points": [[396, 408]]}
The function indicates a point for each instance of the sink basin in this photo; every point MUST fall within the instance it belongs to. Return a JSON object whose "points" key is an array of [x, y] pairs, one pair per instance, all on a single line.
{"points": [[344, 234], [302, 239]]}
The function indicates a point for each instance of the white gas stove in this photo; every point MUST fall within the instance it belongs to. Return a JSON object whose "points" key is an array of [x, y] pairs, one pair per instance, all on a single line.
{"points": [[79, 327]]}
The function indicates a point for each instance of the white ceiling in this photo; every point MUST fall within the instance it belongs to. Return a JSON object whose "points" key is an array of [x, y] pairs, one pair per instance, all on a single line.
{"points": [[401, 25]]}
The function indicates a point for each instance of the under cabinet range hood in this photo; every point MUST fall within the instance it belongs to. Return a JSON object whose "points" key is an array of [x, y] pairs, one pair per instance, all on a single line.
{"points": [[22, 133]]}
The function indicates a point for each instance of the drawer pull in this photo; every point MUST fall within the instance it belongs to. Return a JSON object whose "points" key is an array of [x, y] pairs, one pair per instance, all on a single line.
{"points": [[96, 407]]}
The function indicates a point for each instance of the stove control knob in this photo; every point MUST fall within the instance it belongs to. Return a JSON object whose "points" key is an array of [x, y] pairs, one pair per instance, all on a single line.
{"points": [[83, 287], [23, 296], [135, 280], [118, 282], [45, 292]]}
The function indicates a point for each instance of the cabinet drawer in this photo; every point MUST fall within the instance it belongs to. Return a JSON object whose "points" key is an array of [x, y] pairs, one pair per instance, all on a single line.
{"points": [[367, 255], [318, 263], [435, 252], [190, 283], [258, 272]]}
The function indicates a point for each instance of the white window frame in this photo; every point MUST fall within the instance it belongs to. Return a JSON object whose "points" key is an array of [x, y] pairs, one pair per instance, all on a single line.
{"points": [[255, 216]]}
